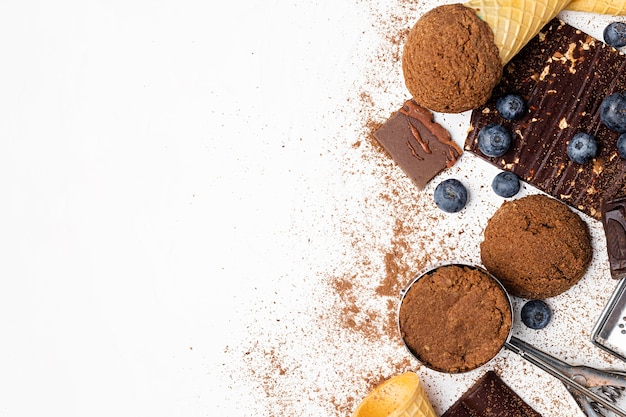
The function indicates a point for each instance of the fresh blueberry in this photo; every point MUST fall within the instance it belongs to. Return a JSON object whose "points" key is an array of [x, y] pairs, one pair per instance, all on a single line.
{"points": [[511, 106], [536, 314], [450, 195], [582, 148], [494, 140], [613, 112], [505, 184], [615, 34], [621, 145]]}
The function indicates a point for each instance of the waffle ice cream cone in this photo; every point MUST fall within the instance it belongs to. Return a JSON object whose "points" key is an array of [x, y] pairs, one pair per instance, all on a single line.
{"points": [[515, 22], [609, 7], [399, 396]]}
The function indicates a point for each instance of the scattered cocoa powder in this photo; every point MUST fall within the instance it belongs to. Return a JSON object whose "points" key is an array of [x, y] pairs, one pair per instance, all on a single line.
{"points": [[337, 337], [359, 301]]}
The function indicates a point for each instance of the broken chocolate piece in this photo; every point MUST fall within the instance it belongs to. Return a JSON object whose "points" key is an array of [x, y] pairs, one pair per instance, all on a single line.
{"points": [[563, 74], [490, 397], [422, 147], [614, 222]]}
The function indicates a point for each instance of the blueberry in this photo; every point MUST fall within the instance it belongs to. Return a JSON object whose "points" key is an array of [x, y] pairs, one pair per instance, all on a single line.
{"points": [[450, 195], [536, 314], [494, 140], [511, 106], [615, 34], [621, 145], [582, 148], [505, 184], [613, 112]]}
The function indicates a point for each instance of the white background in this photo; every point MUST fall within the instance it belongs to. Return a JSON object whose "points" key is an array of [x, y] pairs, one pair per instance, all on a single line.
{"points": [[166, 168]]}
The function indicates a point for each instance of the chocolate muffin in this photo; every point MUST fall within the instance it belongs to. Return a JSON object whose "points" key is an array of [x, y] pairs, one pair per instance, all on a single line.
{"points": [[536, 246], [450, 61], [455, 318]]}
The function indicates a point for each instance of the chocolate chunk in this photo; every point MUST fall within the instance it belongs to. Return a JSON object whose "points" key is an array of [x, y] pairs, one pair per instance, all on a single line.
{"points": [[490, 397], [563, 74], [614, 222], [420, 146]]}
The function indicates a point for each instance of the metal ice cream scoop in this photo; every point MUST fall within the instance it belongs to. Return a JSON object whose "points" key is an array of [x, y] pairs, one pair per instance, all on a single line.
{"points": [[596, 391]]}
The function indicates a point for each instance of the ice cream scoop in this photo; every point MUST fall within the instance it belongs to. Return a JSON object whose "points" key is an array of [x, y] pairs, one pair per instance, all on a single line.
{"points": [[450, 60]]}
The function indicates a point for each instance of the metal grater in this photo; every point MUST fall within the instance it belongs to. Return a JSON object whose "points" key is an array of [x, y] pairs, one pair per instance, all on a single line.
{"points": [[609, 332]]}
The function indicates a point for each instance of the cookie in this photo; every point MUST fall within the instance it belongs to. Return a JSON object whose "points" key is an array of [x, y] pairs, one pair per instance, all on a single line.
{"points": [[536, 246], [450, 61]]}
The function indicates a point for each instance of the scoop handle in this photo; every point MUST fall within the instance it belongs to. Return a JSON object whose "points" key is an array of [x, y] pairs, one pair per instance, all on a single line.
{"points": [[517, 346]]}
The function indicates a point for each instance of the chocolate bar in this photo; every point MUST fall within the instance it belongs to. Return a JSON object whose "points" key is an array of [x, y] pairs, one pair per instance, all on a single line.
{"points": [[420, 146], [563, 74], [614, 222], [490, 397]]}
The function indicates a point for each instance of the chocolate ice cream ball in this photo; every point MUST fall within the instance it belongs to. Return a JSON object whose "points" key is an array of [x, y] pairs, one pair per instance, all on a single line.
{"points": [[450, 61], [455, 318], [536, 246]]}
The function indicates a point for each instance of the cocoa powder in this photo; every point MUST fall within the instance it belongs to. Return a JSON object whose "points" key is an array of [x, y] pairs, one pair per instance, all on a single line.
{"points": [[358, 301]]}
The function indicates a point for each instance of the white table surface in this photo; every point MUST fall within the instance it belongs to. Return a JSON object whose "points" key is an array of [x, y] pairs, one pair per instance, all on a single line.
{"points": [[183, 182]]}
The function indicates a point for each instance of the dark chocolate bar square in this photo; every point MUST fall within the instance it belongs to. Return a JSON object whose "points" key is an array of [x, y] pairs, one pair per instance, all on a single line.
{"points": [[563, 74], [614, 222], [421, 147], [490, 397]]}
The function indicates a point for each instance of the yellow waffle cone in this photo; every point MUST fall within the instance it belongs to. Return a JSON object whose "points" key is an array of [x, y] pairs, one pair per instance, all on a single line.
{"points": [[610, 7], [515, 22], [399, 396]]}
